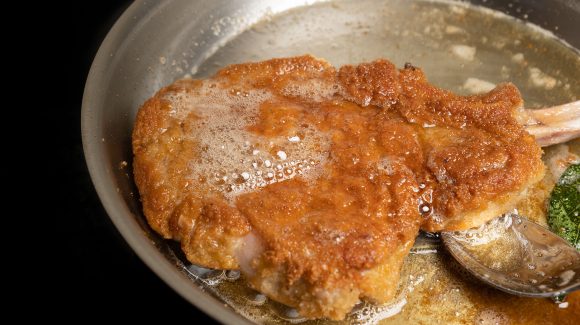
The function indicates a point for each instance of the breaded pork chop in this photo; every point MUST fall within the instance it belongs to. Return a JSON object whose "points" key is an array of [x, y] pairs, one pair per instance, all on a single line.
{"points": [[315, 181]]}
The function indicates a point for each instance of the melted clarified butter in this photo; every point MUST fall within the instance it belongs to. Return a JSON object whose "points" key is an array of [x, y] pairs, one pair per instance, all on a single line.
{"points": [[498, 248], [434, 289], [462, 41]]}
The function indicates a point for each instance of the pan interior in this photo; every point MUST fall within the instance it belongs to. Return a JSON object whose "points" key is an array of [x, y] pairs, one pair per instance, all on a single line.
{"points": [[461, 47], [450, 42]]}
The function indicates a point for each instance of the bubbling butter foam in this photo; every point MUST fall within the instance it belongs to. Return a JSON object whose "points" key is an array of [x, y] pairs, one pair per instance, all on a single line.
{"points": [[317, 90], [234, 160]]}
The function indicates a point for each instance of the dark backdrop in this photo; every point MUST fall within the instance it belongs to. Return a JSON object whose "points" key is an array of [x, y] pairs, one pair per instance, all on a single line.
{"points": [[105, 278]]}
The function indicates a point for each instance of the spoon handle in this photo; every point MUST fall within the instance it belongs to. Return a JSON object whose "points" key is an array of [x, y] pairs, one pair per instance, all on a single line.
{"points": [[553, 125]]}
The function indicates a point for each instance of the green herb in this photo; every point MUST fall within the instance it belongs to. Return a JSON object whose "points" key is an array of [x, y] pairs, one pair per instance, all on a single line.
{"points": [[564, 207]]}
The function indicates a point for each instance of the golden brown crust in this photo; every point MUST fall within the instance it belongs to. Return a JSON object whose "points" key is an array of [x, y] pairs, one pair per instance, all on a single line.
{"points": [[373, 83], [207, 227], [392, 154], [480, 156]]}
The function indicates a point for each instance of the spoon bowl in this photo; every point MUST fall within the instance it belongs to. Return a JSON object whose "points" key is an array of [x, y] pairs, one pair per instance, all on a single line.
{"points": [[517, 256]]}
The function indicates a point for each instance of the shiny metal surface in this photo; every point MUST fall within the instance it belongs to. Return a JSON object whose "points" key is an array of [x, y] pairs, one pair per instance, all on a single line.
{"points": [[517, 256], [155, 43]]}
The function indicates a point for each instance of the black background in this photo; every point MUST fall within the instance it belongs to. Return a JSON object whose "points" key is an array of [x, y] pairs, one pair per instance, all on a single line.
{"points": [[105, 279]]}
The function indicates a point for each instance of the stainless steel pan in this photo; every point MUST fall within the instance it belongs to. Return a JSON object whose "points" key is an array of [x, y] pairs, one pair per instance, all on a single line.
{"points": [[154, 43]]}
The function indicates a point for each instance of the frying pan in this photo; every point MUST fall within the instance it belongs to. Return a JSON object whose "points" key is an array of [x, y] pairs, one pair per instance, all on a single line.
{"points": [[154, 43]]}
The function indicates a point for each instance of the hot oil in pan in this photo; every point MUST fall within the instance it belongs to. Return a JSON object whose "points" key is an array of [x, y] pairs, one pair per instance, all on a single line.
{"points": [[463, 48]]}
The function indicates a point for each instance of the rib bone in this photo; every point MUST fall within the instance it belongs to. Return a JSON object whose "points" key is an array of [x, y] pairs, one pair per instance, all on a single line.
{"points": [[554, 124]]}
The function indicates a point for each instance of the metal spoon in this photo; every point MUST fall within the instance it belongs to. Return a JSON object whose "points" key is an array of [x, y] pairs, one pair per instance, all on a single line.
{"points": [[517, 256]]}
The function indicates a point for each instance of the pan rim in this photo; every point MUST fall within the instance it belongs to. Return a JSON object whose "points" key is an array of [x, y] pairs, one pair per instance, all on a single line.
{"points": [[115, 207], [99, 168]]}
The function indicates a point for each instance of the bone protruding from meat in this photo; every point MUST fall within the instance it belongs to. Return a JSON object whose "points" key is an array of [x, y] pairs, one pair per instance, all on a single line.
{"points": [[317, 196], [554, 124]]}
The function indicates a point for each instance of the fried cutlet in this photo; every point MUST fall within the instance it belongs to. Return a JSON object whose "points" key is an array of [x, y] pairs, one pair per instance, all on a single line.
{"points": [[315, 181]]}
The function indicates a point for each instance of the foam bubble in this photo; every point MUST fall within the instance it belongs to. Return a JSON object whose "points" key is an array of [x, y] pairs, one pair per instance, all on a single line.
{"points": [[464, 52], [372, 314], [317, 90], [475, 85], [490, 317], [541, 80]]}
